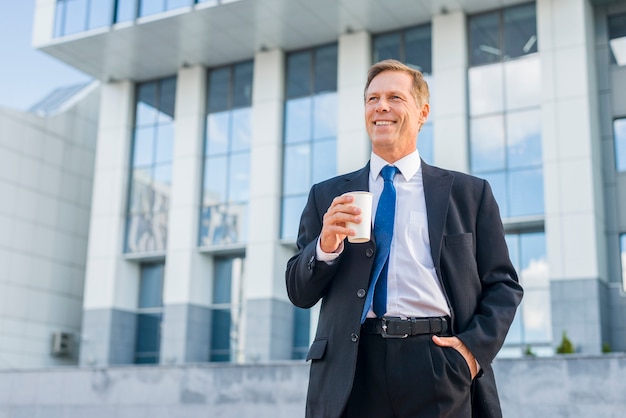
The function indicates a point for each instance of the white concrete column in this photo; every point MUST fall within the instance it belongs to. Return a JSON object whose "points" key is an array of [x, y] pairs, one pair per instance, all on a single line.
{"points": [[449, 110], [573, 182], [111, 281], [268, 312], [43, 22], [188, 274], [186, 280], [355, 58]]}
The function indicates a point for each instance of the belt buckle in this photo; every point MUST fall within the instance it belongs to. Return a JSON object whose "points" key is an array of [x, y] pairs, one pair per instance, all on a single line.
{"points": [[384, 330]]}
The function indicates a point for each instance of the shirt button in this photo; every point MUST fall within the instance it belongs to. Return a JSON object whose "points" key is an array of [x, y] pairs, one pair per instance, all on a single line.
{"points": [[354, 338], [361, 293], [369, 252]]}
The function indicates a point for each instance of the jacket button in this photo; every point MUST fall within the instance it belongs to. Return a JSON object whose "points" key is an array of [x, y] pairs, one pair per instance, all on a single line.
{"points": [[354, 338], [369, 252], [361, 293]]}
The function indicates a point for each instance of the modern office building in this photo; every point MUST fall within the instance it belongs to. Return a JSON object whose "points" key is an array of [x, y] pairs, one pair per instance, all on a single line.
{"points": [[215, 118]]}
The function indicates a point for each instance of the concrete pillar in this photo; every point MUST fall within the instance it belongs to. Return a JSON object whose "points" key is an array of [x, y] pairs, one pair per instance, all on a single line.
{"points": [[268, 312], [574, 213], [111, 283], [449, 110], [187, 282]]}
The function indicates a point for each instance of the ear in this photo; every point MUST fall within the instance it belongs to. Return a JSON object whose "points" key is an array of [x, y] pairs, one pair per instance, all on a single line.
{"points": [[424, 112]]}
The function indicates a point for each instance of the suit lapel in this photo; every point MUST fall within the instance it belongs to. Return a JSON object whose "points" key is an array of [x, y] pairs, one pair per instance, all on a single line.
{"points": [[437, 186], [358, 180]]}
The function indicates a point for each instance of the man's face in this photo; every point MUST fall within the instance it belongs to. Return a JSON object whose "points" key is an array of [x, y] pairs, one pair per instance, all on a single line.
{"points": [[392, 116]]}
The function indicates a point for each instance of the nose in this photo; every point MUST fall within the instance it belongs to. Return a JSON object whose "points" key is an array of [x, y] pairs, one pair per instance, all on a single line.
{"points": [[382, 105]]}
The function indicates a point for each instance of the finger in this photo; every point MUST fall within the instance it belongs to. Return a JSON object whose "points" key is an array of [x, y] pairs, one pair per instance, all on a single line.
{"points": [[446, 341]]}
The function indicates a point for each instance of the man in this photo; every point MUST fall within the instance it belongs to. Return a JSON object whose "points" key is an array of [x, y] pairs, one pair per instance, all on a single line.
{"points": [[449, 291]]}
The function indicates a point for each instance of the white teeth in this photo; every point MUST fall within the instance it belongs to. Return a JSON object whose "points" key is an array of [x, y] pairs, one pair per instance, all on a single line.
{"points": [[383, 122]]}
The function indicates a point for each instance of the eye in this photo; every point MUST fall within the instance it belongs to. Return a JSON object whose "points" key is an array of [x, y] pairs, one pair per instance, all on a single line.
{"points": [[372, 99]]}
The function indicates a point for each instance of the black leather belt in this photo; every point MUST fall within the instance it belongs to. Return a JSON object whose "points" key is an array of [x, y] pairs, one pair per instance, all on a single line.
{"points": [[392, 327]]}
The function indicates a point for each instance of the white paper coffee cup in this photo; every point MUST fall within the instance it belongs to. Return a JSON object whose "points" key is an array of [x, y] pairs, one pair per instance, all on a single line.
{"points": [[362, 200]]}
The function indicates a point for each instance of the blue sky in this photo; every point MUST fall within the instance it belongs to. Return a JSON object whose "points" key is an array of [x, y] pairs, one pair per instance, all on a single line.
{"points": [[27, 75]]}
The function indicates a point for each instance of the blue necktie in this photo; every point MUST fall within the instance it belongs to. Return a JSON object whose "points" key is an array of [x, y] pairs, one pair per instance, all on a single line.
{"points": [[383, 232]]}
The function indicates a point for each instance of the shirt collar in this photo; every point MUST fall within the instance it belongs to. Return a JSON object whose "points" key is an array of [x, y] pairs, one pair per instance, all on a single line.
{"points": [[408, 165]]}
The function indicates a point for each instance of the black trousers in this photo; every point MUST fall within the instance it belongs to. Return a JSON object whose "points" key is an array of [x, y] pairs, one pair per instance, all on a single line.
{"points": [[409, 378]]}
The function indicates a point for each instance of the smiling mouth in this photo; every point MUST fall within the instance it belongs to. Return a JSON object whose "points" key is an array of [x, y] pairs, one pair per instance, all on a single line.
{"points": [[383, 122]]}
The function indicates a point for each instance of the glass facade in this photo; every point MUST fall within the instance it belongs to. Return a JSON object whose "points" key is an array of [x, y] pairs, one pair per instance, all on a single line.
{"points": [[531, 329], [619, 138], [226, 181], [149, 314], [505, 111], [151, 167], [310, 131], [226, 310], [617, 39], [412, 46], [74, 16], [504, 81]]}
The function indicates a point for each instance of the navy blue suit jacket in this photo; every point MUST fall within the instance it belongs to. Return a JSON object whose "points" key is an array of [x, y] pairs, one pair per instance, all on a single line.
{"points": [[471, 260]]}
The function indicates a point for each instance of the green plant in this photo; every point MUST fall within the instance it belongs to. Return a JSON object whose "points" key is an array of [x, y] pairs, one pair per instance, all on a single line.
{"points": [[606, 348], [566, 346], [529, 351]]}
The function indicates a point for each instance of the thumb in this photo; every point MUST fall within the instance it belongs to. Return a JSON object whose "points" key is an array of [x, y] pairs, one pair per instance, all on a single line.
{"points": [[444, 341]]}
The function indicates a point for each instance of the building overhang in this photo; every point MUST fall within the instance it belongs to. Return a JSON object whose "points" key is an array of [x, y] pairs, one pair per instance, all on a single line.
{"points": [[158, 45]]}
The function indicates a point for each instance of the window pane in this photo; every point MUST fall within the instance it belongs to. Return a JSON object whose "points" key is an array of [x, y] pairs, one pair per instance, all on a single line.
{"points": [[126, 10], [167, 100], [619, 132], [150, 7], [522, 83], [299, 74], [387, 46], [487, 150], [239, 178], [148, 338], [142, 196], [533, 271], [485, 90], [536, 314], [215, 178], [617, 38], [418, 48], [146, 104], [301, 333], [325, 115], [222, 281], [484, 34], [100, 13], [241, 129], [175, 4], [223, 224], [326, 69], [140, 236], [523, 133], [220, 336], [242, 86], [298, 120], [292, 211], [520, 31], [162, 185], [218, 132], [425, 143], [324, 160], [151, 286], [59, 18], [219, 89], [164, 143], [526, 192], [143, 152], [297, 169], [75, 16]]}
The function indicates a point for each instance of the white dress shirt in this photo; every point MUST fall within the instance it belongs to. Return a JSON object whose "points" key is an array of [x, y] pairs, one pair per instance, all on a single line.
{"points": [[413, 289]]}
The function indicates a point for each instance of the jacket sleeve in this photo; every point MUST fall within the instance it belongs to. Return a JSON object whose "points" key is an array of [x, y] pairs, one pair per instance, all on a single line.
{"points": [[307, 278], [500, 291]]}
